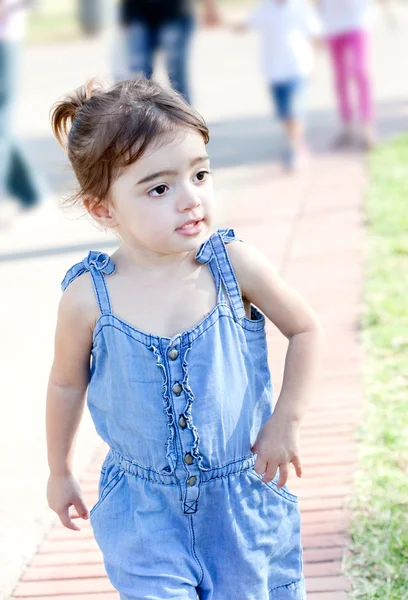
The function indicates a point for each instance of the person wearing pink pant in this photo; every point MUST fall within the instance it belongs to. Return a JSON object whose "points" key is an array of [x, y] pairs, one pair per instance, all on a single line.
{"points": [[347, 24]]}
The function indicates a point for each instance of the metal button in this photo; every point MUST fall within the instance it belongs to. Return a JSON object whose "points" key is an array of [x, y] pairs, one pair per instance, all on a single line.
{"points": [[173, 354], [182, 422], [177, 389], [188, 459], [192, 480]]}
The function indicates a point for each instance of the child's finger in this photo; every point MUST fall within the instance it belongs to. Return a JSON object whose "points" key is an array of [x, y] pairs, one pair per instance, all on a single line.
{"points": [[283, 474], [75, 515], [270, 472], [260, 465], [298, 466], [66, 520], [81, 509]]}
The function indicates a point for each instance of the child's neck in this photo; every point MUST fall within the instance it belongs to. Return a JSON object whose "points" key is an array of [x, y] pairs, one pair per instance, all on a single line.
{"points": [[142, 259]]}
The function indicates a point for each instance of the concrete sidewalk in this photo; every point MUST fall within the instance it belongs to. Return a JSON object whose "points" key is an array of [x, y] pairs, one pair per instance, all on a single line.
{"points": [[311, 228]]}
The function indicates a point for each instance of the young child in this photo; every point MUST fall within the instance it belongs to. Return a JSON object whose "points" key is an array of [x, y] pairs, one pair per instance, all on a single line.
{"points": [[166, 337], [287, 29], [347, 24]]}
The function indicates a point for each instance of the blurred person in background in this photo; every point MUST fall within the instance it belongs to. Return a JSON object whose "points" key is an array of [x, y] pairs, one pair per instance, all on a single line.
{"points": [[19, 186], [347, 24], [287, 30], [150, 26]]}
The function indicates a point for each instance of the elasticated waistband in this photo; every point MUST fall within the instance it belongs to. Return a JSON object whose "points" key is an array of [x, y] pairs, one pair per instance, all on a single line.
{"points": [[132, 467], [231, 468]]}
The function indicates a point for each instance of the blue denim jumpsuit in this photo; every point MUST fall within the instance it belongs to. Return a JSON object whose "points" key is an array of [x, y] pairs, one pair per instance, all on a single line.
{"points": [[181, 511]]}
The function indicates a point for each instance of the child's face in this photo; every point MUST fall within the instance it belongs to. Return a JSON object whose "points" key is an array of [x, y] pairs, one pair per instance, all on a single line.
{"points": [[164, 202]]}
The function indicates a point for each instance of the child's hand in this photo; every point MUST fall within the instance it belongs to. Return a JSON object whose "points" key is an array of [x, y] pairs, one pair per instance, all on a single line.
{"points": [[277, 445], [63, 491]]}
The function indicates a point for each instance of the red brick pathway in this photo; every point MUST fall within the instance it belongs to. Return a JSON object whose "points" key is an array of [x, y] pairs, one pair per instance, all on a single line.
{"points": [[311, 228]]}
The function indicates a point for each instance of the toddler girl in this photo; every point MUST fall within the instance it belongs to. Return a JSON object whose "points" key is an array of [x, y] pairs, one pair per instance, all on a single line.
{"points": [[166, 336]]}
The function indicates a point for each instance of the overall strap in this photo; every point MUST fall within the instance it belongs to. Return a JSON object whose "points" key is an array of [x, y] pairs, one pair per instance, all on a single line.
{"points": [[214, 253], [98, 264]]}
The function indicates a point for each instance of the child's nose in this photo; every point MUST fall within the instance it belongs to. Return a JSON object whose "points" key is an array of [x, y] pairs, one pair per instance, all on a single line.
{"points": [[188, 200]]}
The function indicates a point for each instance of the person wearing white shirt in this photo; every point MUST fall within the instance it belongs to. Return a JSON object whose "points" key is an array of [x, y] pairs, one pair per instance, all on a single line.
{"points": [[286, 31]]}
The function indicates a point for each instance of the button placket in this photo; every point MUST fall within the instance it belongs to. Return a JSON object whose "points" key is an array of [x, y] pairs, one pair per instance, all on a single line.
{"points": [[176, 379], [191, 491], [189, 471]]}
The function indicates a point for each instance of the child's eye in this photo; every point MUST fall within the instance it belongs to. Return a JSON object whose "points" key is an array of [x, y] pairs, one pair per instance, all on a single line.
{"points": [[201, 175], [159, 190]]}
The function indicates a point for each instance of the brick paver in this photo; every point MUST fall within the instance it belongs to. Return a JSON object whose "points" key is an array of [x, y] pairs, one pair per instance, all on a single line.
{"points": [[311, 227]]}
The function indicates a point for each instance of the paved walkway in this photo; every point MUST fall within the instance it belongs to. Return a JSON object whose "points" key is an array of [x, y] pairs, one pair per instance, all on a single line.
{"points": [[311, 227], [301, 225]]}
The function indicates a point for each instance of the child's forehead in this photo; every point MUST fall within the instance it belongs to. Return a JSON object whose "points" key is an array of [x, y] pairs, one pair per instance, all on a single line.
{"points": [[175, 147]]}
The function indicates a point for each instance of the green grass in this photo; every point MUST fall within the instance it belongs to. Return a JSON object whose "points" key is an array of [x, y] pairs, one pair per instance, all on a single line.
{"points": [[378, 560]]}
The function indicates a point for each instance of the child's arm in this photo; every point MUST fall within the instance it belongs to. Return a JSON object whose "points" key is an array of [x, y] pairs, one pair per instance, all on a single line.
{"points": [[313, 24], [277, 442], [65, 399]]}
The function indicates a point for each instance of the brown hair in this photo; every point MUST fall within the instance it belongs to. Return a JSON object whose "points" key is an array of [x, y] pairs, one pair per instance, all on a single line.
{"points": [[106, 129]]}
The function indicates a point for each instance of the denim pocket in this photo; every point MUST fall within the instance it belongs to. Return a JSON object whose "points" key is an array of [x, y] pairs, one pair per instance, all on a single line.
{"points": [[292, 591], [282, 492], [108, 481]]}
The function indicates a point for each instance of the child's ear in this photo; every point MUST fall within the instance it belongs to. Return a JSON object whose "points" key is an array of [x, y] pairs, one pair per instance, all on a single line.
{"points": [[101, 211]]}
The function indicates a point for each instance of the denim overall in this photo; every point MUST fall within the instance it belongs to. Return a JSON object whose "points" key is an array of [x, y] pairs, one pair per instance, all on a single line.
{"points": [[181, 511]]}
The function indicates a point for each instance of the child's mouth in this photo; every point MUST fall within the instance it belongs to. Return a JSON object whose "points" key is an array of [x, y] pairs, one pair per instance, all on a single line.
{"points": [[192, 227]]}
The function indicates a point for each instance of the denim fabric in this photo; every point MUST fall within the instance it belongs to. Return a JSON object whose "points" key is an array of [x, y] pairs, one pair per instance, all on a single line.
{"points": [[181, 511], [173, 38], [288, 97]]}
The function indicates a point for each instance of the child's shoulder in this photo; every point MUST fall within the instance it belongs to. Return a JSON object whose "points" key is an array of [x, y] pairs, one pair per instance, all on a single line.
{"points": [[243, 253], [247, 261], [78, 298]]}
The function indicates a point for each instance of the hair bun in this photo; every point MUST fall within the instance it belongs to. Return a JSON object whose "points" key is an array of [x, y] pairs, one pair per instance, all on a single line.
{"points": [[64, 111]]}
